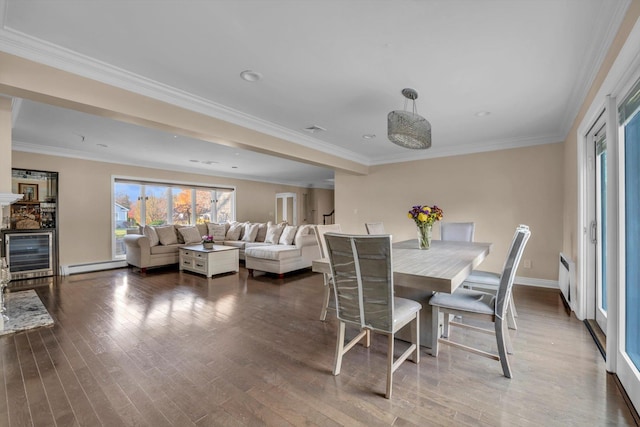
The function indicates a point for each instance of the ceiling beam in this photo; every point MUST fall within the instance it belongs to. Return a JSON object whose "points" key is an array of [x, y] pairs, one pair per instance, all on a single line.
{"points": [[27, 79]]}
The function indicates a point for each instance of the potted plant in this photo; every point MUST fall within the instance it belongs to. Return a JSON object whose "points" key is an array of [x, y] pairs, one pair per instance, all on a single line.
{"points": [[207, 242]]}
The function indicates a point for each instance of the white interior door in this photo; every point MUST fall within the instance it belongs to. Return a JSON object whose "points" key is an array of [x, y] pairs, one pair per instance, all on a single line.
{"points": [[286, 208]]}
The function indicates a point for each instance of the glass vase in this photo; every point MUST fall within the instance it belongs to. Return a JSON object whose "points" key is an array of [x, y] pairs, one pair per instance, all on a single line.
{"points": [[424, 237]]}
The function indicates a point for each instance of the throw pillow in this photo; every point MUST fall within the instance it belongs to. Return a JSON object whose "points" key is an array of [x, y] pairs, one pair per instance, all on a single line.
{"points": [[150, 232], [234, 231], [273, 233], [218, 231], [250, 232], [167, 235], [190, 234], [289, 232], [177, 228], [303, 230], [262, 232]]}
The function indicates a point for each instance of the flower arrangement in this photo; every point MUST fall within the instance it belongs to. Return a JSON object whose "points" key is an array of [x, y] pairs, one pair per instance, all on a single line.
{"points": [[207, 239], [424, 217]]}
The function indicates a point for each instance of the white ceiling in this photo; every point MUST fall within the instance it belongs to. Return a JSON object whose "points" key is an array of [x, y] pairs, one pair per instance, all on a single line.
{"points": [[336, 64]]}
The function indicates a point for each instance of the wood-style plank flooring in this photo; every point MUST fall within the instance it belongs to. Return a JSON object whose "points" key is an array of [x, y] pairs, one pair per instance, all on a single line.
{"points": [[177, 349]]}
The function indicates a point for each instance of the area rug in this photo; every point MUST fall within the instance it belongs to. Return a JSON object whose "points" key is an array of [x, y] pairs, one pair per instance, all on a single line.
{"points": [[25, 311]]}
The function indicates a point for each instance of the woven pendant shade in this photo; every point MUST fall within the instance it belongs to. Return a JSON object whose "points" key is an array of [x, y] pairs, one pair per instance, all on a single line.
{"points": [[408, 129]]}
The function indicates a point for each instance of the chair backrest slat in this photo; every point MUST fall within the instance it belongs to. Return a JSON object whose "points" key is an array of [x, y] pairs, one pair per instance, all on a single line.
{"points": [[520, 239], [363, 279], [374, 227], [457, 231], [320, 230]]}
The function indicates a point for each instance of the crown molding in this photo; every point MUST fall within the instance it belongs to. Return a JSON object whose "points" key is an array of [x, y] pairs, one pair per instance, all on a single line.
{"points": [[596, 55], [443, 151], [27, 147], [40, 51]]}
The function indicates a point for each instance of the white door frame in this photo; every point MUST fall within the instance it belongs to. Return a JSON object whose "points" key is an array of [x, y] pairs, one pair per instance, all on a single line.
{"points": [[624, 72]]}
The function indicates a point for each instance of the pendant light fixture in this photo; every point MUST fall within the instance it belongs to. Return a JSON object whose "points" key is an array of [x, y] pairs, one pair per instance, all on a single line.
{"points": [[408, 129]]}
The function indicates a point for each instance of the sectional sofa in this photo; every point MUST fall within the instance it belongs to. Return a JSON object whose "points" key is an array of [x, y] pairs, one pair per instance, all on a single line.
{"points": [[267, 247]]}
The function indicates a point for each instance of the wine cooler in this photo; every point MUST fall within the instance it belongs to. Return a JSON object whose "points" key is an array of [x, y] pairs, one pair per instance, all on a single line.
{"points": [[29, 254]]}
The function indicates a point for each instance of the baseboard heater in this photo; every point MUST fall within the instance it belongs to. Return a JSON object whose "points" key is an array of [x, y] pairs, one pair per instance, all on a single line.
{"points": [[68, 270], [567, 281]]}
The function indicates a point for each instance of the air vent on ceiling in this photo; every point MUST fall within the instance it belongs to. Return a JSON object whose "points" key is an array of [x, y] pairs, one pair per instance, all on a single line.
{"points": [[314, 129]]}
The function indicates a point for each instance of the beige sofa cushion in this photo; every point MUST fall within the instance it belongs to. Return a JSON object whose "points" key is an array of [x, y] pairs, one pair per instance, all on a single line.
{"points": [[289, 232], [162, 249], [235, 229], [304, 230], [250, 232], [273, 233], [190, 234], [262, 232], [276, 253], [218, 231], [152, 235], [167, 234]]}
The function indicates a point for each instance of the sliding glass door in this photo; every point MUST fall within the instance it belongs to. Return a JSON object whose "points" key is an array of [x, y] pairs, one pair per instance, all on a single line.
{"points": [[628, 364]]}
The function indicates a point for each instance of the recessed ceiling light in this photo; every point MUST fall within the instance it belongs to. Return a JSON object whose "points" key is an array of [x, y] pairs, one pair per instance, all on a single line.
{"points": [[368, 136], [250, 76], [482, 113], [195, 161], [209, 162], [102, 145], [234, 167]]}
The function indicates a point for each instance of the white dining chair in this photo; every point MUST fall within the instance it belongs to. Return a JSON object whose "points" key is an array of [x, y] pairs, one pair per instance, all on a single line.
{"points": [[362, 271], [322, 245], [483, 305], [457, 231], [490, 281], [374, 227]]}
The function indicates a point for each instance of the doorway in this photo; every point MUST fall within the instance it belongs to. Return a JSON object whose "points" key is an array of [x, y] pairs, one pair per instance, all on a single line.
{"points": [[286, 208]]}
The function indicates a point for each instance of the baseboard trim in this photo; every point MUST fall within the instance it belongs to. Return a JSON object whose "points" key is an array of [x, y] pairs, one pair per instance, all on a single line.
{"points": [[627, 399], [67, 270], [540, 283]]}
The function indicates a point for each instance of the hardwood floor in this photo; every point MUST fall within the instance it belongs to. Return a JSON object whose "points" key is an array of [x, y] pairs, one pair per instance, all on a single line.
{"points": [[177, 349]]}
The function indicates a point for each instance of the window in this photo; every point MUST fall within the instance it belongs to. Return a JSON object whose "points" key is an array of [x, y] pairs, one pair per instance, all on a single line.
{"points": [[138, 203]]}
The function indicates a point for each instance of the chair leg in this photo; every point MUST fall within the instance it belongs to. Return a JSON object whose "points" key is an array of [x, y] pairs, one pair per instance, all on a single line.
{"points": [[325, 302], [435, 329], [446, 317], [415, 332], [390, 350], [501, 331], [513, 306], [507, 342], [511, 320], [339, 349]]}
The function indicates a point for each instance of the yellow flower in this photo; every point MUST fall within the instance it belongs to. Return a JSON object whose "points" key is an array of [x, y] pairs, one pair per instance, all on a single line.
{"points": [[410, 216], [422, 217]]}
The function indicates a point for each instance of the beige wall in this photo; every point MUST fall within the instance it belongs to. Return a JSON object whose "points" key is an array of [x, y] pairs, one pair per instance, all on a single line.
{"points": [[570, 220], [497, 190], [85, 200], [323, 203]]}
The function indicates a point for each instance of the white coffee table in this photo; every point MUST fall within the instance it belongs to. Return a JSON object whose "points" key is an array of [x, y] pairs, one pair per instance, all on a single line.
{"points": [[220, 259]]}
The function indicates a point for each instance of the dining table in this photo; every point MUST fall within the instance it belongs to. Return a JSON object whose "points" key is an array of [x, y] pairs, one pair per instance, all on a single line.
{"points": [[418, 273]]}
